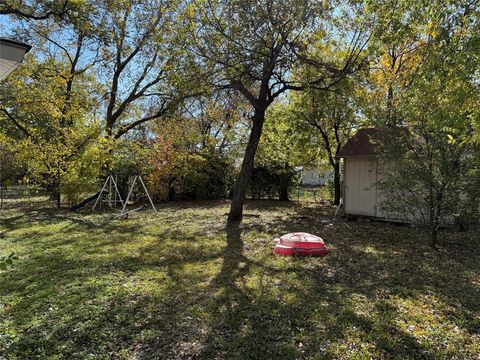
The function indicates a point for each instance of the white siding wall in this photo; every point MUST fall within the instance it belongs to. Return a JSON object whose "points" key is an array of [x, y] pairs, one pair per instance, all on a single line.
{"points": [[361, 194], [382, 170], [386, 212], [360, 190]]}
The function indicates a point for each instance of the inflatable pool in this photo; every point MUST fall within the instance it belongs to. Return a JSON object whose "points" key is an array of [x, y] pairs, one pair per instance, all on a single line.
{"points": [[302, 244]]}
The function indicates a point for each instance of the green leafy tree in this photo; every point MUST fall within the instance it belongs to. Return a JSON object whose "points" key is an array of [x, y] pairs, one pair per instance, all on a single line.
{"points": [[10, 170], [217, 120], [147, 71], [252, 47], [282, 148], [431, 164], [44, 118], [398, 37], [326, 120], [188, 162], [131, 48]]}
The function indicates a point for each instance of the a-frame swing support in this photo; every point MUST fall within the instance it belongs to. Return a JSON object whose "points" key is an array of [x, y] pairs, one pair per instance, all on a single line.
{"points": [[108, 182], [137, 177]]}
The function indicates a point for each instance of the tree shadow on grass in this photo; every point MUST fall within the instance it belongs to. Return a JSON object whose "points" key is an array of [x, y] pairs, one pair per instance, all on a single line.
{"points": [[307, 308], [187, 298], [76, 306], [241, 323], [280, 320]]}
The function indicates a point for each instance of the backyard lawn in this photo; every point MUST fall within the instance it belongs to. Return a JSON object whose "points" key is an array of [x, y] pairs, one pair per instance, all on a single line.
{"points": [[180, 285]]}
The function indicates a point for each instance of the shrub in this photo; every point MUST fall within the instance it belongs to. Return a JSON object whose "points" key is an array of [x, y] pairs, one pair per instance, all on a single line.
{"points": [[270, 181], [186, 175]]}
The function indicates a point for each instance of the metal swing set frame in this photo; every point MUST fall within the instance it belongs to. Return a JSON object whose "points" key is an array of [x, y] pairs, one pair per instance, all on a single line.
{"points": [[111, 183]]}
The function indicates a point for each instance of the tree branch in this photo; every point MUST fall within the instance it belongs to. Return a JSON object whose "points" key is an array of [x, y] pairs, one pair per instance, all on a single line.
{"points": [[238, 85], [16, 123], [9, 10]]}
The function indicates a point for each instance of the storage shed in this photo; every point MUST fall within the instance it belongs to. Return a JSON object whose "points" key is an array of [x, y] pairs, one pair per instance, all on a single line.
{"points": [[361, 198]]}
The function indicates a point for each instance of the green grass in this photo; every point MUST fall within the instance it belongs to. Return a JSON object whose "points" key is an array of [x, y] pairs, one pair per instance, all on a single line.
{"points": [[181, 285]]}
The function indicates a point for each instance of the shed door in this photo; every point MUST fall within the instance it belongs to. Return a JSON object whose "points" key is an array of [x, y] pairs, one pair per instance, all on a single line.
{"points": [[360, 192]]}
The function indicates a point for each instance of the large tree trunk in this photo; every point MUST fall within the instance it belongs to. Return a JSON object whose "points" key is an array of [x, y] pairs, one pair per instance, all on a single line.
{"points": [[55, 196], [336, 183], [239, 192], [58, 200], [283, 193]]}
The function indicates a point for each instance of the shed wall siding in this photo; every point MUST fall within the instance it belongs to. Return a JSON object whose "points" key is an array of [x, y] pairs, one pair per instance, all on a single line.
{"points": [[362, 197], [360, 191], [382, 197], [398, 212]]}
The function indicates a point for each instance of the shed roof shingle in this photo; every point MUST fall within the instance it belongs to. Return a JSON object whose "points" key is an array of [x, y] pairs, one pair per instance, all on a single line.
{"points": [[360, 144]]}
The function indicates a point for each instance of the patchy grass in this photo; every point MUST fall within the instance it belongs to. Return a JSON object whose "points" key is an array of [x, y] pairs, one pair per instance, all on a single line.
{"points": [[181, 285]]}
